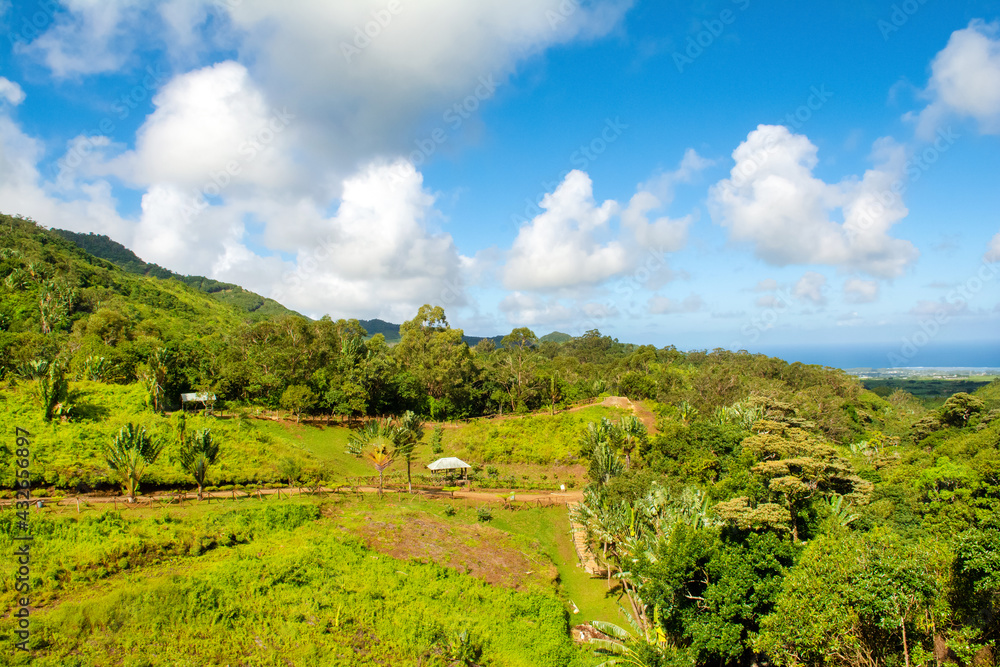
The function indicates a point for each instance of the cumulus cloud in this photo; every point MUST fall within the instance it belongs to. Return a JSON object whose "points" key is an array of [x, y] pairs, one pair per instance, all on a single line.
{"points": [[811, 287], [11, 91], [851, 319], [993, 251], [378, 81], [665, 234], [861, 291], [773, 201], [560, 247], [530, 310], [212, 129], [661, 305], [379, 253], [572, 243], [965, 80]]}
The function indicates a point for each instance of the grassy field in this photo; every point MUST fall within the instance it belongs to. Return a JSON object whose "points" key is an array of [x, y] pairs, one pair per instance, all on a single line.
{"points": [[932, 391], [535, 451], [309, 580], [537, 439]]}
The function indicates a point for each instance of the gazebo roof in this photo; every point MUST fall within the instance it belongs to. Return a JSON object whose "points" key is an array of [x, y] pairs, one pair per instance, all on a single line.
{"points": [[449, 463]]}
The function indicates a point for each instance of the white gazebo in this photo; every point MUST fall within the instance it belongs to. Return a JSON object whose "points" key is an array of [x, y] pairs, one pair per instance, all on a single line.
{"points": [[450, 463]]}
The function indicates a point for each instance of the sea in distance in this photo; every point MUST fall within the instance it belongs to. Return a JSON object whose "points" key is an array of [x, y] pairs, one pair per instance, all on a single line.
{"points": [[985, 354]]}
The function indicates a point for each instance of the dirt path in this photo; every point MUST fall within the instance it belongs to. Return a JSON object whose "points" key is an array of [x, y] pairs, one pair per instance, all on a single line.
{"points": [[161, 499]]}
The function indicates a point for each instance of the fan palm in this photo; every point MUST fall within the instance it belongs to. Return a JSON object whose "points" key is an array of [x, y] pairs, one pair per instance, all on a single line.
{"points": [[376, 442], [129, 453], [197, 454]]}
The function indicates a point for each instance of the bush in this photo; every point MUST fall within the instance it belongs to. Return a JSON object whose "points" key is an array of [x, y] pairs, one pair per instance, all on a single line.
{"points": [[450, 510], [484, 514]]}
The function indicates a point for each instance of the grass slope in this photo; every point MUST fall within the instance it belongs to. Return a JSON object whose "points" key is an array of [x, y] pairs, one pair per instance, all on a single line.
{"points": [[539, 439], [269, 583]]}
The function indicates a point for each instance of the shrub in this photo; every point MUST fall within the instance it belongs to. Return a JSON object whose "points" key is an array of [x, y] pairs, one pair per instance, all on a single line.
{"points": [[484, 514]]}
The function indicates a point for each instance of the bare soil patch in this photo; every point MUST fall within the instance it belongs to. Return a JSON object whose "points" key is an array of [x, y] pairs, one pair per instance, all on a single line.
{"points": [[478, 550]]}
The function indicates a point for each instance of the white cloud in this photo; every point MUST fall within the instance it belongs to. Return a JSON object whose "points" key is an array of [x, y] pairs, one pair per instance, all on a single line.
{"points": [[11, 91], [664, 234], [560, 247], [993, 251], [531, 310], [766, 285], [660, 305], [23, 190], [352, 102], [938, 309], [811, 287], [861, 291], [378, 255], [212, 126], [89, 37], [770, 301], [965, 80], [572, 242], [773, 201]]}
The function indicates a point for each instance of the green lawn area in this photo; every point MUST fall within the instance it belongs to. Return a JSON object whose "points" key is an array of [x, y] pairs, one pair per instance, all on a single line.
{"points": [[327, 443], [549, 528]]}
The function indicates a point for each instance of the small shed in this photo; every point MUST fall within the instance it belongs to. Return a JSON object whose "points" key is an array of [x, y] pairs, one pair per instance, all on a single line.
{"points": [[205, 399], [450, 463]]}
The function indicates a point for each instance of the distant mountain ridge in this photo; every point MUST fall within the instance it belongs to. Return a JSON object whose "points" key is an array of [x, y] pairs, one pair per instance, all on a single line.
{"points": [[104, 247], [391, 332]]}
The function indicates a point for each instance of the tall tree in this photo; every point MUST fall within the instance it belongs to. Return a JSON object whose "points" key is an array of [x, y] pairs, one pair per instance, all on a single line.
{"points": [[410, 429], [438, 357], [516, 364]]}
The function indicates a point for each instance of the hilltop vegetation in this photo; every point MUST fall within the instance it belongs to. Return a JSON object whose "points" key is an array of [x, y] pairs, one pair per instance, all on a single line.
{"points": [[103, 247]]}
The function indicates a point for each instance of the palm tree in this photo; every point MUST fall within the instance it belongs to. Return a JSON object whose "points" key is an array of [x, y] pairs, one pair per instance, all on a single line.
{"points": [[633, 434], [410, 429], [129, 453], [644, 648], [377, 443], [197, 454]]}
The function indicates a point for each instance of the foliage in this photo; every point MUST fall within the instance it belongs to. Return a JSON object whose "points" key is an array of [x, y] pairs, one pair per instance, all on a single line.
{"points": [[197, 454], [128, 454]]}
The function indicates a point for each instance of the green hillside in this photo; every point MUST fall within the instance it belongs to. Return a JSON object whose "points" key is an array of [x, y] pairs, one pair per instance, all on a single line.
{"points": [[101, 246], [735, 506]]}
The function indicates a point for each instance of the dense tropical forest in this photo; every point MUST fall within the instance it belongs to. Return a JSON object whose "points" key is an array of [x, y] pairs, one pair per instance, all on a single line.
{"points": [[738, 509]]}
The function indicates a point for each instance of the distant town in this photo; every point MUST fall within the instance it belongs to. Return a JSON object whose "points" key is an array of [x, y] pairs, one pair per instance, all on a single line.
{"points": [[929, 372]]}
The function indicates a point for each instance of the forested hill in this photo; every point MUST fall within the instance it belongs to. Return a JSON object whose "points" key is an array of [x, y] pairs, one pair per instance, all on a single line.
{"points": [[104, 247], [392, 334]]}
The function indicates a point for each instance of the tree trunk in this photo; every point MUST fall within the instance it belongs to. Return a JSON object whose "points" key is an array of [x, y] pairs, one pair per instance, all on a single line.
{"points": [[409, 484], [906, 649], [200, 494]]}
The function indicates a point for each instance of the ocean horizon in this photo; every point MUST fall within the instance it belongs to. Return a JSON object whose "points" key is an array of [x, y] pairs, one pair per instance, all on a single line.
{"points": [[890, 355]]}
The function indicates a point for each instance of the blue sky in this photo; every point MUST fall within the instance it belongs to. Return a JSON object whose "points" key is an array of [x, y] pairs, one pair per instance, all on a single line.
{"points": [[731, 173]]}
